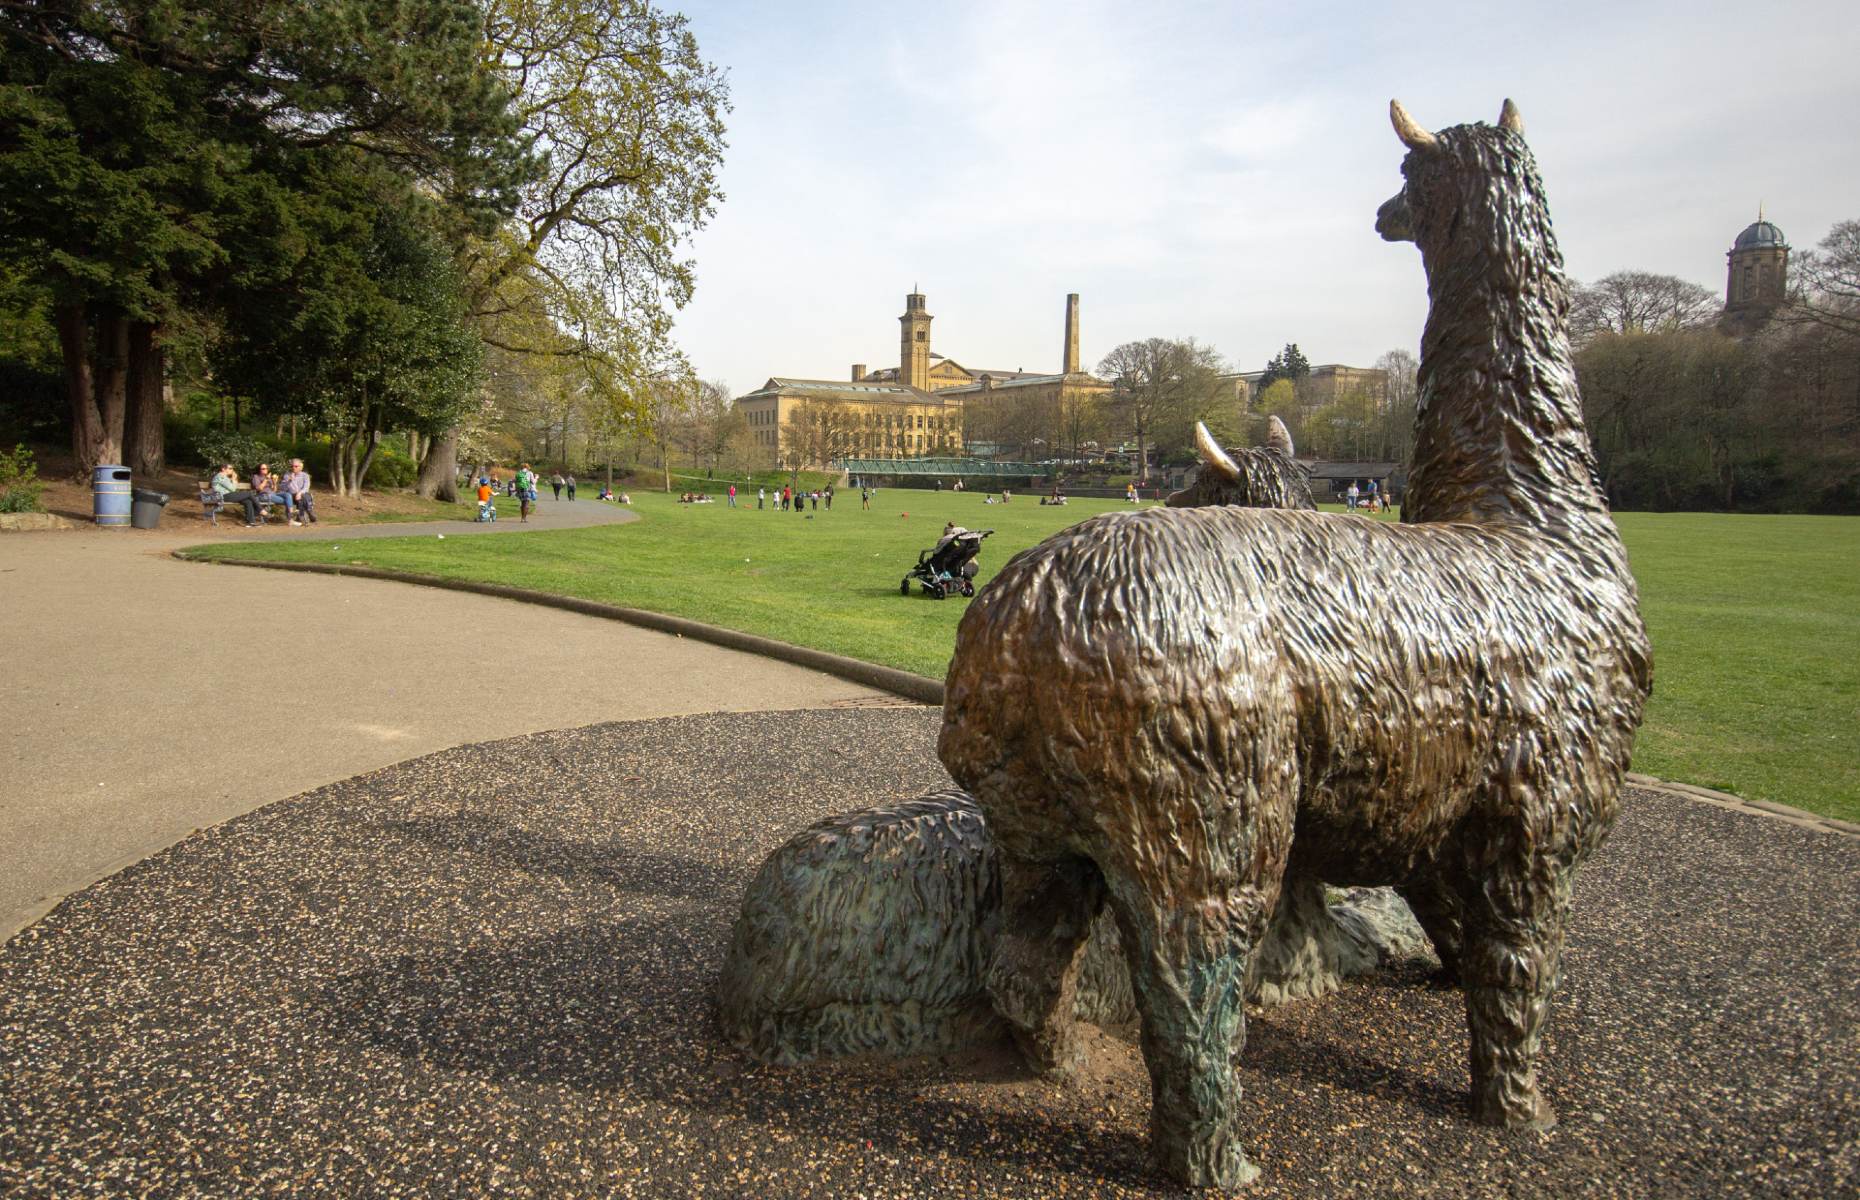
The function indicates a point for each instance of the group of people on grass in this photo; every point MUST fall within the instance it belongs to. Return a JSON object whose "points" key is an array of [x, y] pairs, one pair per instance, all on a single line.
{"points": [[1366, 499], [265, 489], [788, 498]]}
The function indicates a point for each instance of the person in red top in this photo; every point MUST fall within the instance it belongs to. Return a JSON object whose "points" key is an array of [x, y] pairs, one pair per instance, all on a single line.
{"points": [[732, 495]]}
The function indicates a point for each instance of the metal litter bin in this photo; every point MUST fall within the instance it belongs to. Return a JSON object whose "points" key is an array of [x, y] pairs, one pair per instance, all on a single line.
{"points": [[145, 511], [109, 495]]}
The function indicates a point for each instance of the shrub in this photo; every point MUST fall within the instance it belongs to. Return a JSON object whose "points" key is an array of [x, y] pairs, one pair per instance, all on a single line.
{"points": [[216, 447], [19, 482]]}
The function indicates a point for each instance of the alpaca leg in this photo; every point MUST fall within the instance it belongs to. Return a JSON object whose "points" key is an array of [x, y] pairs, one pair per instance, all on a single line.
{"points": [[1437, 908], [1513, 941], [1047, 911], [1188, 969]]}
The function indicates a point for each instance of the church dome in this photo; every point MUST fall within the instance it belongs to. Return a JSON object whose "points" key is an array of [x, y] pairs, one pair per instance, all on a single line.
{"points": [[1760, 233]]}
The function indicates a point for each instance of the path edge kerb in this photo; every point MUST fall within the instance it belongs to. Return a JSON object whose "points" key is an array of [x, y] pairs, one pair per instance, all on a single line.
{"points": [[889, 679]]}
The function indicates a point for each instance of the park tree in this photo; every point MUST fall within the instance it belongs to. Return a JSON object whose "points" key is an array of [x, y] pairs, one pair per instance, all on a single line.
{"points": [[1638, 302], [1289, 364], [1829, 290], [368, 333], [1401, 393], [630, 117], [1159, 388], [140, 129]]}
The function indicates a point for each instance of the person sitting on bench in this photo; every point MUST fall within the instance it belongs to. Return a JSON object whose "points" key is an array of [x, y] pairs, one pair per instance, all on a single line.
{"points": [[226, 487], [297, 487], [266, 490]]}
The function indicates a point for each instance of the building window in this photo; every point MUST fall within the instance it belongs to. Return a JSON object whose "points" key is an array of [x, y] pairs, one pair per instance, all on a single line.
{"points": [[922, 336]]}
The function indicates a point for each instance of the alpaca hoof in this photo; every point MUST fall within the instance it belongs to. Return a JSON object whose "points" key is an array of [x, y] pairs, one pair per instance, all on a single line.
{"points": [[1222, 1166]]}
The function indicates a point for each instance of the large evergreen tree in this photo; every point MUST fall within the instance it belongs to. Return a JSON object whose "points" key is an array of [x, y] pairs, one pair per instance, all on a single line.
{"points": [[134, 134]]}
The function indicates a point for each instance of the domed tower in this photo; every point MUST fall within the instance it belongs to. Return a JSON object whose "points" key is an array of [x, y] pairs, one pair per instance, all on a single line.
{"points": [[914, 343], [1759, 261]]}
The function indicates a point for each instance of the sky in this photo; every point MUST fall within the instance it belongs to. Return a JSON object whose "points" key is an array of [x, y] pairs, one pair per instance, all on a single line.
{"points": [[1212, 170]]}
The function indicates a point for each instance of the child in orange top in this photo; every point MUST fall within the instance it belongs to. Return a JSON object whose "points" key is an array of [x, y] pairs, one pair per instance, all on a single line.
{"points": [[486, 511]]}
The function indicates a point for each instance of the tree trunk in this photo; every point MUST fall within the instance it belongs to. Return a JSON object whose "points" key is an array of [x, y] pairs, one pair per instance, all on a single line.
{"points": [[372, 443], [439, 470], [111, 381], [143, 433], [86, 426]]}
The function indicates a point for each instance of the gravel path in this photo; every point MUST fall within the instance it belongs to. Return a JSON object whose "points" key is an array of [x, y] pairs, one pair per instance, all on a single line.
{"points": [[487, 972]]}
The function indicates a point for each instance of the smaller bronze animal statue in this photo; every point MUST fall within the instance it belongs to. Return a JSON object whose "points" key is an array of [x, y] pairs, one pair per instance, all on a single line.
{"points": [[1262, 477], [1166, 709], [873, 933]]}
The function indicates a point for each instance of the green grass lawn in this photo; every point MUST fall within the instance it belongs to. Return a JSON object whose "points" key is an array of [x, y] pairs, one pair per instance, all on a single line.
{"points": [[1755, 620]]}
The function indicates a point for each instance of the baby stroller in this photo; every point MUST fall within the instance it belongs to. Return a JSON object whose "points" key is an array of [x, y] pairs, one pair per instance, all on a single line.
{"points": [[949, 566]]}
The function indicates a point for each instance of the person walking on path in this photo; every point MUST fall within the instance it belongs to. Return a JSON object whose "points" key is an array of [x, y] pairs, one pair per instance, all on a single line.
{"points": [[555, 481], [526, 489], [732, 495], [297, 487], [571, 487]]}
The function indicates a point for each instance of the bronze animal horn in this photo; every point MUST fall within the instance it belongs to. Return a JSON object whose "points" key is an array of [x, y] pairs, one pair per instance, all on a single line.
{"points": [[1278, 437], [1509, 120], [1411, 135], [1213, 455]]}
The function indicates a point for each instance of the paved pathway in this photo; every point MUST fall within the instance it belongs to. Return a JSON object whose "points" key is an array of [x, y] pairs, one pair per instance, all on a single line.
{"points": [[148, 697]]}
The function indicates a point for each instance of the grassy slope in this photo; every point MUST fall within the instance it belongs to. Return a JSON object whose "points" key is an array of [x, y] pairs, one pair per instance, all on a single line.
{"points": [[1755, 620]]}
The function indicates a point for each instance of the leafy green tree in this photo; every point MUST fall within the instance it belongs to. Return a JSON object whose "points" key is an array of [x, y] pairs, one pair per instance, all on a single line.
{"points": [[137, 129], [632, 118], [367, 333], [1160, 387]]}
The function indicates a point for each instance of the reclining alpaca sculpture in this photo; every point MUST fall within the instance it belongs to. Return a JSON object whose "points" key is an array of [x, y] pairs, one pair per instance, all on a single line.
{"points": [[873, 932], [1170, 709]]}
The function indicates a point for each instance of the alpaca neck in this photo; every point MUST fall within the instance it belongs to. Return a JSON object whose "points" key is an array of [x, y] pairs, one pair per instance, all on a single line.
{"points": [[1499, 434]]}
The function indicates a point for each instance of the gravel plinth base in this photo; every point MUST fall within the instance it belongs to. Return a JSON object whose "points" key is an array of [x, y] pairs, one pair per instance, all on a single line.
{"points": [[489, 972]]}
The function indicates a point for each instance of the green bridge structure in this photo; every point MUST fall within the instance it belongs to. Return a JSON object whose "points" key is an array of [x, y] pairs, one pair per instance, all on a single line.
{"points": [[967, 468]]}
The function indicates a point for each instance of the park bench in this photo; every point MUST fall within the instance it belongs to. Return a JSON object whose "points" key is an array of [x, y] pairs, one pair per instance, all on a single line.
{"points": [[211, 503]]}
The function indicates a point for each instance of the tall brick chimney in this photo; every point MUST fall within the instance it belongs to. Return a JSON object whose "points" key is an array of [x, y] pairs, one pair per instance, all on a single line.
{"points": [[1070, 360]]}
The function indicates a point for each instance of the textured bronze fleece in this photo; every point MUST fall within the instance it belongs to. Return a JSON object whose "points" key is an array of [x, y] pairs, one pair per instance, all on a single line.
{"points": [[1179, 705]]}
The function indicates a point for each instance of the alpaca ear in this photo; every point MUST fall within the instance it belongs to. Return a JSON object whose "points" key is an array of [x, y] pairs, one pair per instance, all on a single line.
{"points": [[1509, 120], [1411, 134], [1278, 437], [1215, 457]]}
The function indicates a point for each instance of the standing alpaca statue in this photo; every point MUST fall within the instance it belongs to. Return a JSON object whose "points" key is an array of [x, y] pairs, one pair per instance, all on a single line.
{"points": [[1170, 709]]}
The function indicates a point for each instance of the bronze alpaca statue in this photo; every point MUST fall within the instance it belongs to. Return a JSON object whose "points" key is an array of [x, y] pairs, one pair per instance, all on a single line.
{"points": [[1169, 710]]}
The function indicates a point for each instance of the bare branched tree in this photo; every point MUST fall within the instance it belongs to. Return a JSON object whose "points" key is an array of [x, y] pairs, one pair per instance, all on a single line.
{"points": [[1639, 302]]}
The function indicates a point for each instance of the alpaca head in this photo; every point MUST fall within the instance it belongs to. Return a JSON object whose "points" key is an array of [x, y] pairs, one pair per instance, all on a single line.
{"points": [[1477, 180], [1265, 477]]}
